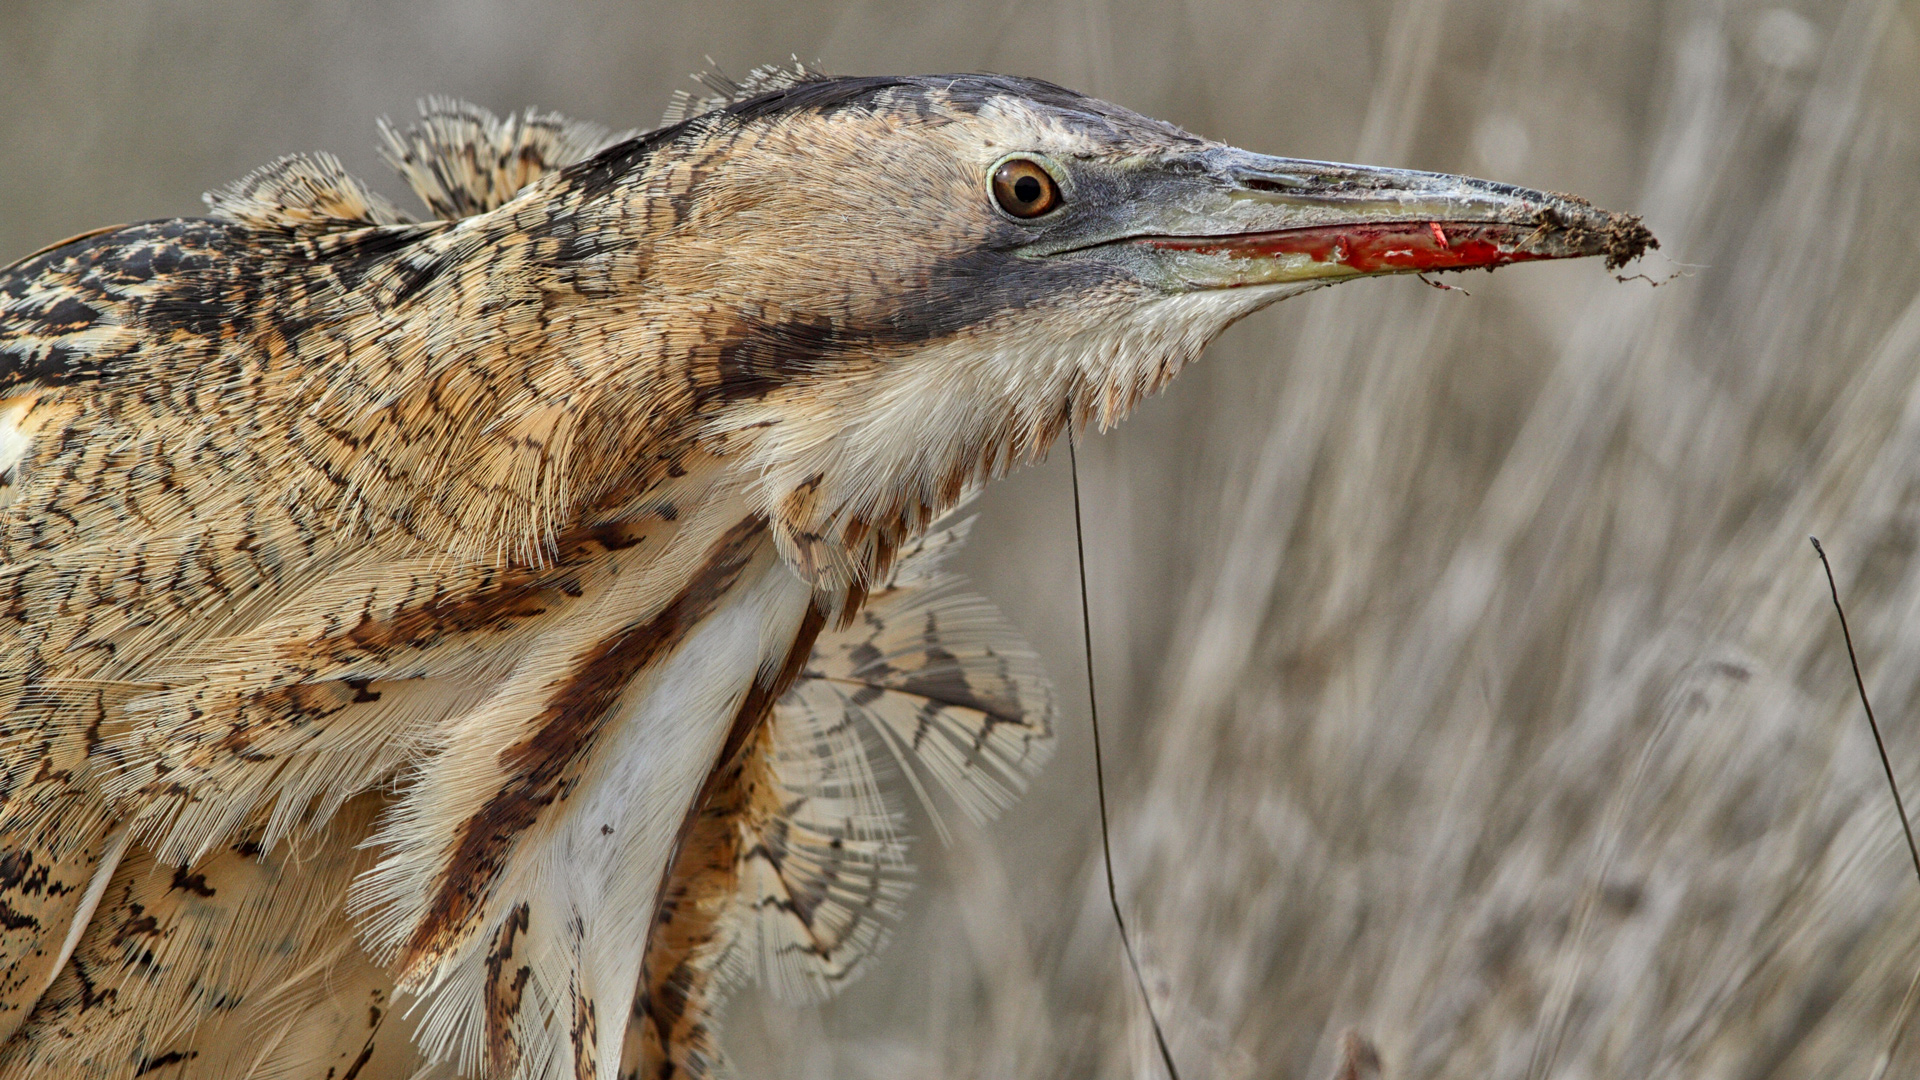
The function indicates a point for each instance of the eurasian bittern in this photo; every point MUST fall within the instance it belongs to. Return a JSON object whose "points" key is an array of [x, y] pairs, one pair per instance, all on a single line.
{"points": [[493, 615]]}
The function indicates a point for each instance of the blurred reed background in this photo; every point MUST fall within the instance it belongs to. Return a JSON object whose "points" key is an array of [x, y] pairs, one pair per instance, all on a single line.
{"points": [[1468, 678]]}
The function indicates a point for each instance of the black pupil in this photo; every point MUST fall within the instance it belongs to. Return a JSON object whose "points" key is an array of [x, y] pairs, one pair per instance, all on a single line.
{"points": [[1027, 189]]}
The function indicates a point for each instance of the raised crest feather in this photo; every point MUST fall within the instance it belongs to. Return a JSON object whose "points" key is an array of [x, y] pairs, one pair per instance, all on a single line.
{"points": [[460, 159], [720, 90], [303, 193]]}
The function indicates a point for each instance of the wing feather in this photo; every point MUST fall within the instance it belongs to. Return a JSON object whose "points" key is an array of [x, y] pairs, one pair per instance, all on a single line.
{"points": [[794, 866], [950, 686], [825, 875], [929, 682]]}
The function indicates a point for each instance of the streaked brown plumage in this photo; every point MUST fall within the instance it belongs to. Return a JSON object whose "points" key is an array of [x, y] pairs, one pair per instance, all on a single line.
{"points": [[494, 615]]}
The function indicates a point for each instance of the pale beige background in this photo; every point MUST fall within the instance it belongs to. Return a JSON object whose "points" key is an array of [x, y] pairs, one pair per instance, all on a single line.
{"points": [[1467, 673]]}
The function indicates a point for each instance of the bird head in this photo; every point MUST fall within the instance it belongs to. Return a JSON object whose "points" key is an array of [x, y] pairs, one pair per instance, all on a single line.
{"points": [[907, 285], [863, 297]]}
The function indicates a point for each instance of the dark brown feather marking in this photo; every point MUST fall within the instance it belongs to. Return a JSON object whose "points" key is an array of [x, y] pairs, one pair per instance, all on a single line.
{"points": [[538, 766], [502, 598], [585, 1035], [821, 95], [506, 988]]}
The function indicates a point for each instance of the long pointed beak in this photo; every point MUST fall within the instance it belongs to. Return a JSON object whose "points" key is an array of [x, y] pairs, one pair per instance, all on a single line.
{"points": [[1261, 220]]}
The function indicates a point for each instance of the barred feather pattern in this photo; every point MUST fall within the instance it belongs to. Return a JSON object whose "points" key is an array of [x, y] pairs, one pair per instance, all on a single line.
{"points": [[797, 867], [929, 681], [461, 159]]}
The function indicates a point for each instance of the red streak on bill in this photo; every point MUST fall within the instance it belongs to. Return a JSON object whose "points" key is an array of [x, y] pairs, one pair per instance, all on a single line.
{"points": [[1371, 249]]}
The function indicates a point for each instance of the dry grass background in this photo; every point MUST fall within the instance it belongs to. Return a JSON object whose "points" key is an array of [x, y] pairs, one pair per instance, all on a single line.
{"points": [[1468, 676]]}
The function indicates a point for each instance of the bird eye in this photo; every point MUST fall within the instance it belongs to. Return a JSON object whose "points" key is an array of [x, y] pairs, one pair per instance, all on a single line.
{"points": [[1024, 189]]}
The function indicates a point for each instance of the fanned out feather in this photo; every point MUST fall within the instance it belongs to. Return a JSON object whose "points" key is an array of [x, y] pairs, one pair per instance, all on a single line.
{"points": [[303, 193], [461, 159], [823, 882], [935, 675], [721, 91], [946, 682]]}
